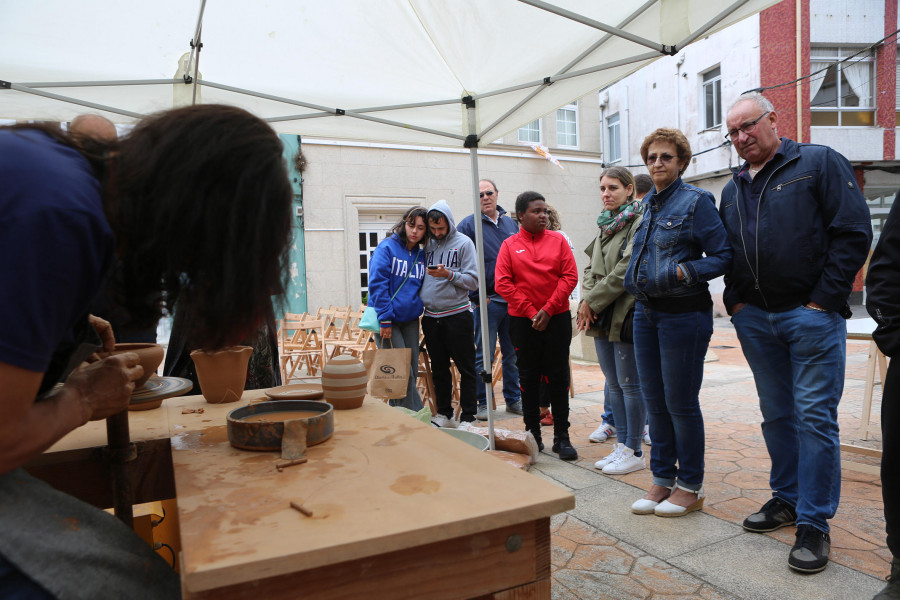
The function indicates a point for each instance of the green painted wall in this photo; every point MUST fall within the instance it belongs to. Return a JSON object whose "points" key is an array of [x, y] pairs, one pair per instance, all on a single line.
{"points": [[296, 292]]}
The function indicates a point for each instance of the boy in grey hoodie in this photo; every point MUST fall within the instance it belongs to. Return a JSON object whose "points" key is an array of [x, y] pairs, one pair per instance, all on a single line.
{"points": [[452, 272]]}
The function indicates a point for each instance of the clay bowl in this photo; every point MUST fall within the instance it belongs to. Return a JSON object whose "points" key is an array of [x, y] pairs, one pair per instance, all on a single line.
{"points": [[150, 355], [266, 435]]}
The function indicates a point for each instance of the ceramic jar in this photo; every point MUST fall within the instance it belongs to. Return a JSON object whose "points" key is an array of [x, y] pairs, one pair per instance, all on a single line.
{"points": [[222, 374], [344, 382]]}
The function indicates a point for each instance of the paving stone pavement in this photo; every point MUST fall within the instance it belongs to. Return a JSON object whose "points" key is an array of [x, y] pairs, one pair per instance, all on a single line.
{"points": [[602, 550]]}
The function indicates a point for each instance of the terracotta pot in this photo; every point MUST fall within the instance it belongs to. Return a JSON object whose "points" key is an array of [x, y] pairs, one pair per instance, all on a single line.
{"points": [[150, 355], [344, 382], [222, 374]]}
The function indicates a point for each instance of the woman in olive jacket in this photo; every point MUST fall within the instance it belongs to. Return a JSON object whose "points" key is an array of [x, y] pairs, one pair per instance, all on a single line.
{"points": [[603, 313]]}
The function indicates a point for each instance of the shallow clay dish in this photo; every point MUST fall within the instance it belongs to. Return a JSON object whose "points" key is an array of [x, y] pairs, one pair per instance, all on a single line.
{"points": [[296, 391], [266, 435]]}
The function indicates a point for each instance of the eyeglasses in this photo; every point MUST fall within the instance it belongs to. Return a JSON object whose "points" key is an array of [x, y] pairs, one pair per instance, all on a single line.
{"points": [[483, 194], [663, 157], [746, 128]]}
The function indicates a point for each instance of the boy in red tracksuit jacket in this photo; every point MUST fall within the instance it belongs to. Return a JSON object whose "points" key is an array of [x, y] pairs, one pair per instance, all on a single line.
{"points": [[535, 274]]}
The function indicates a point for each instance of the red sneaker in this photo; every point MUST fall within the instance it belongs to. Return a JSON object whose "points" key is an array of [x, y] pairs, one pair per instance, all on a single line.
{"points": [[548, 419]]}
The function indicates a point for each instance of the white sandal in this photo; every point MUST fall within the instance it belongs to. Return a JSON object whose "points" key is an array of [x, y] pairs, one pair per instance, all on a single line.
{"points": [[646, 507], [667, 509]]}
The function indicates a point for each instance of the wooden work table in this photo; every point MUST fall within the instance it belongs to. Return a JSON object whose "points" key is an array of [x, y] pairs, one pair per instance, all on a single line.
{"points": [[399, 510]]}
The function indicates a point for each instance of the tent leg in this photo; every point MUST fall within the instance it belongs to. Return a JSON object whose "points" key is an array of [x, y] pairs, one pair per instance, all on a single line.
{"points": [[487, 353]]}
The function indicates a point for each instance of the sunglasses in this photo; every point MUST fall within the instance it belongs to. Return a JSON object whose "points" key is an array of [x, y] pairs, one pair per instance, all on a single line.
{"points": [[663, 157], [483, 194]]}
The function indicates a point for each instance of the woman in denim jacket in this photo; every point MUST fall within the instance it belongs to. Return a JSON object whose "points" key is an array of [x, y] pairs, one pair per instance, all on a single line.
{"points": [[680, 245]]}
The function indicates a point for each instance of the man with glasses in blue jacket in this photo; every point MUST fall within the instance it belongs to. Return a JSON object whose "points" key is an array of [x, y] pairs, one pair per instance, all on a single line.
{"points": [[800, 229]]}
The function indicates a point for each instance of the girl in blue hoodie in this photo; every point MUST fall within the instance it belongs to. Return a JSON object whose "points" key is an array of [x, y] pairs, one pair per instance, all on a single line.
{"points": [[395, 277]]}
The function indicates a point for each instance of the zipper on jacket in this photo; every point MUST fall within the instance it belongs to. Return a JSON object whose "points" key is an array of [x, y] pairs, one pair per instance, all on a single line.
{"points": [[755, 272], [778, 187]]}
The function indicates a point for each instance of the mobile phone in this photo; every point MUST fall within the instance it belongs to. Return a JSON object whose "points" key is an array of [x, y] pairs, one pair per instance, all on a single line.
{"points": [[432, 267]]}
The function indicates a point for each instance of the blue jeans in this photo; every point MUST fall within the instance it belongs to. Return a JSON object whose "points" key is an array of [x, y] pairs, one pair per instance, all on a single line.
{"points": [[406, 335], [620, 370], [498, 324], [670, 349], [798, 358]]}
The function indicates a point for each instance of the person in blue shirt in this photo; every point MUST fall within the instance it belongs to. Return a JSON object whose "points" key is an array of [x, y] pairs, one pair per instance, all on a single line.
{"points": [[395, 278], [170, 201]]}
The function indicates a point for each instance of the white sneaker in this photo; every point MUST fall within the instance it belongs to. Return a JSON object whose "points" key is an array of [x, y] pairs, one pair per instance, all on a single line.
{"points": [[617, 451], [440, 420], [626, 462], [602, 433], [647, 435]]}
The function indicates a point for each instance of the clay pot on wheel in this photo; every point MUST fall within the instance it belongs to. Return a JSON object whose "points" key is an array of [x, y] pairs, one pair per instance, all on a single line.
{"points": [[150, 355], [344, 382], [222, 374]]}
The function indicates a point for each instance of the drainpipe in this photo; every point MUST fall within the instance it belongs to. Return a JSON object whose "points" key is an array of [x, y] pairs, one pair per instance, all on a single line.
{"points": [[604, 101], [678, 90], [799, 70]]}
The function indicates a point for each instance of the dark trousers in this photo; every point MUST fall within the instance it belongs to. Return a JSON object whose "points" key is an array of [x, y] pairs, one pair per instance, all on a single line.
{"points": [[446, 338], [543, 352], [890, 460]]}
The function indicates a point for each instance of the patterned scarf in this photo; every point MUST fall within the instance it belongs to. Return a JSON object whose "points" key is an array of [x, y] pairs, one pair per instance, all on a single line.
{"points": [[610, 221]]}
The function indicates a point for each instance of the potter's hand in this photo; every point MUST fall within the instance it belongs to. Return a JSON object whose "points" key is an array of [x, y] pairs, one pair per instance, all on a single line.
{"points": [[386, 333], [105, 387], [540, 321], [105, 331]]}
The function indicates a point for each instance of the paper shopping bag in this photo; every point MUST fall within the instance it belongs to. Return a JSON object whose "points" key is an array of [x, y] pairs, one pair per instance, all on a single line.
{"points": [[388, 371]]}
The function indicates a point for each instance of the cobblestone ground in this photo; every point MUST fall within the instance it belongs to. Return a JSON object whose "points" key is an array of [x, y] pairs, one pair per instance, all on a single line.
{"points": [[587, 563]]}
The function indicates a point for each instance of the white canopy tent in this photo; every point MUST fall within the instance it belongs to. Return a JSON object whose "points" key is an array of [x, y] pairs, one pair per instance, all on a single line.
{"points": [[433, 72]]}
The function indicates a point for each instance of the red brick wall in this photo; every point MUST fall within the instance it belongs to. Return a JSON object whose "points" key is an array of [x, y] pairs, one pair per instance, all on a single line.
{"points": [[778, 64], [886, 78]]}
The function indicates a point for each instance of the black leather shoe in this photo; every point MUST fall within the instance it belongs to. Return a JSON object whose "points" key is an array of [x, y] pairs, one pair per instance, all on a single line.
{"points": [[774, 514], [892, 590], [565, 450], [810, 551]]}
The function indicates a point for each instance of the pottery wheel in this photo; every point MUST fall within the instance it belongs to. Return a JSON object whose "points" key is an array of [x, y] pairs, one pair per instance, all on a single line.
{"points": [[160, 388]]}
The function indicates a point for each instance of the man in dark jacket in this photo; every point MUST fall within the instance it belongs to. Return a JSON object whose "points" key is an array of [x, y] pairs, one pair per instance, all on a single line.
{"points": [[883, 303], [496, 226], [801, 230]]}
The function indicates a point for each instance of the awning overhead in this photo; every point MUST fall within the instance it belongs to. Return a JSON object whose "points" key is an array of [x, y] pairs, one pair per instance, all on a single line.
{"points": [[298, 63]]}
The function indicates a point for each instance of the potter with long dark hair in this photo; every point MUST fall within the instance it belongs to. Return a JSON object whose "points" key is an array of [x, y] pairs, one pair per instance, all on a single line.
{"points": [[195, 202]]}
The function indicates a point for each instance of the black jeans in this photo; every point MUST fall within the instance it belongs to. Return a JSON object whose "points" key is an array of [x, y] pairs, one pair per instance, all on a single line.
{"points": [[446, 338], [890, 459], [543, 352]]}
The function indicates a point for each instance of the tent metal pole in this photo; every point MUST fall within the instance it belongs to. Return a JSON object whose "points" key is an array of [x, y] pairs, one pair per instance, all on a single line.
{"points": [[546, 82], [195, 42], [197, 62], [487, 355], [70, 84], [597, 25], [94, 105], [578, 73], [329, 111], [711, 23]]}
